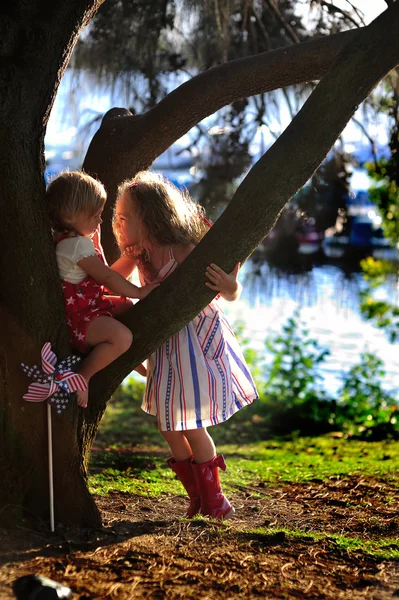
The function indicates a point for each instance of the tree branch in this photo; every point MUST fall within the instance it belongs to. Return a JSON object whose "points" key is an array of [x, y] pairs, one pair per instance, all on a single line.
{"points": [[127, 143], [138, 140], [274, 179]]}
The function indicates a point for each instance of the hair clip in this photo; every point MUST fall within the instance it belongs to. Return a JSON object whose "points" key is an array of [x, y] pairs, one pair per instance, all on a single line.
{"points": [[133, 185]]}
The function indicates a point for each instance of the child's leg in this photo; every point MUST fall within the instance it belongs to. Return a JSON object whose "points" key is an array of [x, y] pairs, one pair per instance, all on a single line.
{"points": [[121, 306], [109, 339], [178, 444], [192, 442], [201, 444], [181, 464]]}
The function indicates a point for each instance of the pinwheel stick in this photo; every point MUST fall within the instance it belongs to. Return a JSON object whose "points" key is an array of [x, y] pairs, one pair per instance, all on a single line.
{"points": [[50, 466], [54, 382]]}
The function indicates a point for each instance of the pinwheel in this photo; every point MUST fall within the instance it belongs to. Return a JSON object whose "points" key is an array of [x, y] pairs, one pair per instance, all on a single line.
{"points": [[55, 383]]}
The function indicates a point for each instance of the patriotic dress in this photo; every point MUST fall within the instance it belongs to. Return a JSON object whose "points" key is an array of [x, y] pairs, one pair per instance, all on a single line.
{"points": [[83, 297], [199, 377]]}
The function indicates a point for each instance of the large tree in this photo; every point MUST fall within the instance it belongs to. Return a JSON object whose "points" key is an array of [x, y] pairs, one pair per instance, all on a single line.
{"points": [[37, 40]]}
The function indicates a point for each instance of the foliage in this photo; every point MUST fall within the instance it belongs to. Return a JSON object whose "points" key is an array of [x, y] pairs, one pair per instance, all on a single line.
{"points": [[385, 171], [384, 193], [292, 398], [365, 407], [327, 195], [382, 313], [129, 38]]}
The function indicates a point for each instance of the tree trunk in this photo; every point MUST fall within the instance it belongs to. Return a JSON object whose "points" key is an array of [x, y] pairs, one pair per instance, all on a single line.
{"points": [[37, 39], [29, 318]]}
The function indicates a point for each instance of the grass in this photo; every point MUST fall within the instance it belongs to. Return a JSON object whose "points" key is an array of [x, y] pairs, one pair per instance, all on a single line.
{"points": [[383, 549], [310, 459], [131, 456], [137, 470]]}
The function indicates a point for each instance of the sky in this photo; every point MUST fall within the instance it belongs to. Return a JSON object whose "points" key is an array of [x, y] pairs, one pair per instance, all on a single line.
{"points": [[370, 8]]}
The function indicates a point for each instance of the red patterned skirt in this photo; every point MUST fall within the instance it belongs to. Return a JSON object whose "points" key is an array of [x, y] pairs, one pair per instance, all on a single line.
{"points": [[84, 302]]}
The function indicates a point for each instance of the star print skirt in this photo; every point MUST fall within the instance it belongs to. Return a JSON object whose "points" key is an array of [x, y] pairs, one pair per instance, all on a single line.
{"points": [[84, 302]]}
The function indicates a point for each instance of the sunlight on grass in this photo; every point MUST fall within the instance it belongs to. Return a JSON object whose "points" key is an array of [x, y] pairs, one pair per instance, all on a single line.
{"points": [[130, 456], [144, 470], [149, 485], [383, 549], [307, 459]]}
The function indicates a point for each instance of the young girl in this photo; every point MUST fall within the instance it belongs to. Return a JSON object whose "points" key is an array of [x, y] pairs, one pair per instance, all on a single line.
{"points": [[199, 377], [76, 202]]}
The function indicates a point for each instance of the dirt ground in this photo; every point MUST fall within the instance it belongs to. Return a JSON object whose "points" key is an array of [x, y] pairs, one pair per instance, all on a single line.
{"points": [[146, 551]]}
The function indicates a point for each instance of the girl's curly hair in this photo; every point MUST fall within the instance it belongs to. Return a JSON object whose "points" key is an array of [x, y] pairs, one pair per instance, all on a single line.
{"points": [[168, 214]]}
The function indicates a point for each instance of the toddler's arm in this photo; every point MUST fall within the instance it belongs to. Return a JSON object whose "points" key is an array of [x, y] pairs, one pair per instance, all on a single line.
{"points": [[112, 280], [225, 283]]}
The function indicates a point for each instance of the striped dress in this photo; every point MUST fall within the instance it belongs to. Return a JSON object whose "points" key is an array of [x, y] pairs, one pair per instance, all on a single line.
{"points": [[199, 377]]}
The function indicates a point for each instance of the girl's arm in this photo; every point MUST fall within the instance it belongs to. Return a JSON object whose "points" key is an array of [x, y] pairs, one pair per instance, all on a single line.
{"points": [[124, 266], [225, 283], [112, 280]]}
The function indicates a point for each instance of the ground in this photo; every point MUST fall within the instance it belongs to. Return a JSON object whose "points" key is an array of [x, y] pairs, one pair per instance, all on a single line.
{"points": [[146, 551], [316, 518]]}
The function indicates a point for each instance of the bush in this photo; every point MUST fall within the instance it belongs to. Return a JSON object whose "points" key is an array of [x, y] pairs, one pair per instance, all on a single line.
{"points": [[365, 408], [292, 398]]}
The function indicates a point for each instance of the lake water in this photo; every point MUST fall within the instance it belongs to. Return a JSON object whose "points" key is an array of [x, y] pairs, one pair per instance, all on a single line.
{"points": [[328, 304]]}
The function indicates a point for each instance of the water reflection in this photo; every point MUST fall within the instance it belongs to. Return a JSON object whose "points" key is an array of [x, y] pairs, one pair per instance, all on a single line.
{"points": [[327, 297]]}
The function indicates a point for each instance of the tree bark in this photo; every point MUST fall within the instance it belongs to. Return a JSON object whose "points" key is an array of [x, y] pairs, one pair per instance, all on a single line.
{"points": [[29, 318], [37, 40]]}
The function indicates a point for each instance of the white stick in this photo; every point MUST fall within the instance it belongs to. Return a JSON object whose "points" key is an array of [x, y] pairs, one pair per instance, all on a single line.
{"points": [[50, 466]]}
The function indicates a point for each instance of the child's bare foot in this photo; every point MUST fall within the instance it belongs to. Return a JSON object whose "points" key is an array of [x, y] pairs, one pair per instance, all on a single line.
{"points": [[82, 397]]}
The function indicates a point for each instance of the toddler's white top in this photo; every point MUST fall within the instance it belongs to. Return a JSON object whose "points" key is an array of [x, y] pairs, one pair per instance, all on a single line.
{"points": [[69, 252]]}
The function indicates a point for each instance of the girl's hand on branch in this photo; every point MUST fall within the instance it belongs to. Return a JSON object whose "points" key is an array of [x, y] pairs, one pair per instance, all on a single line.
{"points": [[225, 283]]}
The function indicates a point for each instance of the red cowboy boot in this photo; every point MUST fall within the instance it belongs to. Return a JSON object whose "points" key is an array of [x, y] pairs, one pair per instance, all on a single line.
{"points": [[184, 472], [213, 502]]}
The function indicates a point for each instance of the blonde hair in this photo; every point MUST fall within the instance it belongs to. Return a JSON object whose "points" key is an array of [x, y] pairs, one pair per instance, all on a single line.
{"points": [[168, 214], [72, 193]]}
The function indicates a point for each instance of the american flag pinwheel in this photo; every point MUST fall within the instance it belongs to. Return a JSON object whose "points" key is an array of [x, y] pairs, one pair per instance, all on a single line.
{"points": [[54, 381]]}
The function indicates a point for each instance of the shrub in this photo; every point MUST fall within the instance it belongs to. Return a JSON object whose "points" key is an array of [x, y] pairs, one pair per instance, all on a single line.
{"points": [[292, 397], [365, 408]]}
